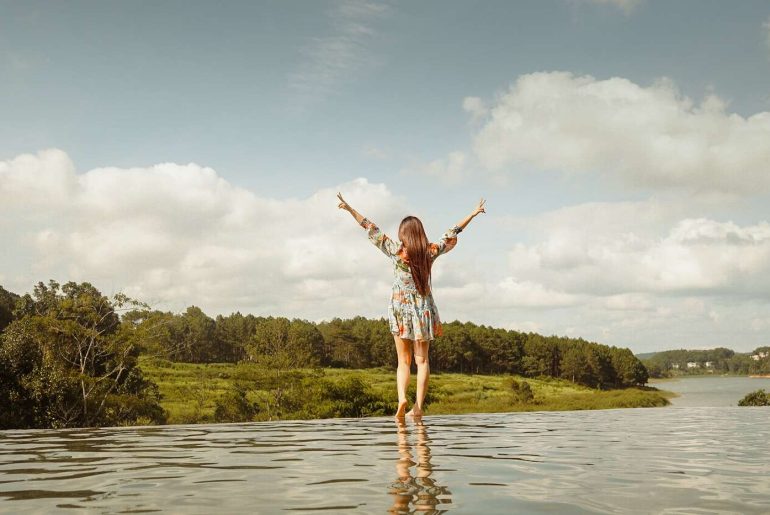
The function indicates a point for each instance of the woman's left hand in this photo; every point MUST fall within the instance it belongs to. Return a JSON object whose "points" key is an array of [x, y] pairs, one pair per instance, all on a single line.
{"points": [[343, 205]]}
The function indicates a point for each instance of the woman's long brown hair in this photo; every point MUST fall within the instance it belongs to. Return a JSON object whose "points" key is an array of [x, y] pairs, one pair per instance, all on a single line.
{"points": [[412, 235]]}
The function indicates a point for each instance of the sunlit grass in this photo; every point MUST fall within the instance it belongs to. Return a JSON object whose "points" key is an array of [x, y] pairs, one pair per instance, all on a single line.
{"points": [[190, 391]]}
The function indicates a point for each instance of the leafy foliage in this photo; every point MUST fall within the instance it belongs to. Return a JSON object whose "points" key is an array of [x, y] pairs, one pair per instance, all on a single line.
{"points": [[755, 398], [66, 361], [522, 392], [7, 305]]}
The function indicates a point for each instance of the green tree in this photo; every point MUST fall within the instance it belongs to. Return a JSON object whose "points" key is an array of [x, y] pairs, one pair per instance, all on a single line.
{"points": [[7, 305], [629, 370], [575, 365], [233, 333], [282, 343], [68, 362]]}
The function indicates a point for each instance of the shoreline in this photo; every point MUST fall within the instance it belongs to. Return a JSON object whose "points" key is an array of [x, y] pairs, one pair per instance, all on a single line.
{"points": [[653, 380]]}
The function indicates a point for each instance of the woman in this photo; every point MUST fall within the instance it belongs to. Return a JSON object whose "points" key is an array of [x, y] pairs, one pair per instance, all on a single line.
{"points": [[412, 314]]}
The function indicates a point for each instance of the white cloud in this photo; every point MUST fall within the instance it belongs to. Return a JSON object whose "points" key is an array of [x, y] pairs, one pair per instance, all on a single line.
{"points": [[645, 136], [623, 273], [591, 250], [475, 106], [511, 292], [332, 59], [180, 234]]}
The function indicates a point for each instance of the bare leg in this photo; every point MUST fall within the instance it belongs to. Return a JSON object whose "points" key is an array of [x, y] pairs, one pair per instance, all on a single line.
{"points": [[423, 372], [404, 351]]}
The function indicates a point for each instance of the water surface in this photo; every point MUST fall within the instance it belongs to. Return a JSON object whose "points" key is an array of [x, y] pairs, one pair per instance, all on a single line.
{"points": [[667, 460], [712, 390]]}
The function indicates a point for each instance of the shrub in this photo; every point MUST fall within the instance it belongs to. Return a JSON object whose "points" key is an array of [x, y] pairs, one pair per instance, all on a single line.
{"points": [[233, 406], [522, 391], [757, 398]]}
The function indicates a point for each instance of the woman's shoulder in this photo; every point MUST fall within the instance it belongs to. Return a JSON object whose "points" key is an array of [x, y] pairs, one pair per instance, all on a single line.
{"points": [[402, 254]]}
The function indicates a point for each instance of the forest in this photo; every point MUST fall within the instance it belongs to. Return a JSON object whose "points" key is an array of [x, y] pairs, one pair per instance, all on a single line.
{"points": [[70, 356], [720, 360]]}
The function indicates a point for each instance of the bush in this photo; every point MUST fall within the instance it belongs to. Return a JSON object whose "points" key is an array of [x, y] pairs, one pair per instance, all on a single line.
{"points": [[522, 391], [757, 398], [233, 406], [351, 397]]}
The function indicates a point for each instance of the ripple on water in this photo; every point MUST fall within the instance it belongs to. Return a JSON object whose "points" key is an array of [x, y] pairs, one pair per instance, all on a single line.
{"points": [[674, 460]]}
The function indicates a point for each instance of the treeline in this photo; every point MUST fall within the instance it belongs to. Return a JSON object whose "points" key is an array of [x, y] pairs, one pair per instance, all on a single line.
{"points": [[719, 360], [68, 354], [359, 342]]}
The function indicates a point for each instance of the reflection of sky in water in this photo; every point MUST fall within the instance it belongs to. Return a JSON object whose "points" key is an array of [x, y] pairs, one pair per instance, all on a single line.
{"points": [[712, 391], [666, 460]]}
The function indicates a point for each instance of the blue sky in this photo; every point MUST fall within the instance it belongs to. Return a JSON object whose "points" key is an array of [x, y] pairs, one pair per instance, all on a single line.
{"points": [[286, 102]]}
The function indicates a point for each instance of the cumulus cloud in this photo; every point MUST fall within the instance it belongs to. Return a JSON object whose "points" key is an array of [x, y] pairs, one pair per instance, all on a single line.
{"points": [[181, 234], [475, 106], [652, 136], [695, 256], [511, 292]]}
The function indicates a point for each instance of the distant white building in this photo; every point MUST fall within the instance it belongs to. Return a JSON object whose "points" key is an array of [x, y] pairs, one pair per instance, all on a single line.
{"points": [[758, 356], [709, 364], [675, 366], [692, 364]]}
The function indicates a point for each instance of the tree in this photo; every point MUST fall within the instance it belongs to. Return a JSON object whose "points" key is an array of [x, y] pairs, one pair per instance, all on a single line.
{"points": [[629, 370], [197, 338], [7, 305], [67, 361], [575, 366], [282, 344], [541, 356], [233, 332]]}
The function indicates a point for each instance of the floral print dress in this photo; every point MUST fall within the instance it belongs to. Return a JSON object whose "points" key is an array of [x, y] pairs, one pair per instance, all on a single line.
{"points": [[410, 315]]}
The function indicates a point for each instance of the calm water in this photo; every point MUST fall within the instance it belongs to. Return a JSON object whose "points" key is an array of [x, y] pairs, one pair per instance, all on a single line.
{"points": [[664, 460], [712, 391]]}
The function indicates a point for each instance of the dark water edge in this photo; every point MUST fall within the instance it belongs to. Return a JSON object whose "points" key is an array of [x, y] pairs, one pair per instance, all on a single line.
{"points": [[669, 460]]}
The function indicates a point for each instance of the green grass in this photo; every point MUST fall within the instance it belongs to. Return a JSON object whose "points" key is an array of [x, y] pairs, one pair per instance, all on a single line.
{"points": [[190, 391]]}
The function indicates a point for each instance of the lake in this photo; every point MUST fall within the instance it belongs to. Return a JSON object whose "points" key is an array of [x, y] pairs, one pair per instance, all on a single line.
{"points": [[654, 460], [712, 391]]}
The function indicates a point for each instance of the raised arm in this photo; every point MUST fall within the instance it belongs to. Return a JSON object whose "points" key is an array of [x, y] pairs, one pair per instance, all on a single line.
{"points": [[347, 207], [477, 210], [377, 237], [449, 239]]}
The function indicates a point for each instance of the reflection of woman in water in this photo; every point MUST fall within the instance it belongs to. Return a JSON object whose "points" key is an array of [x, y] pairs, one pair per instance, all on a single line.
{"points": [[418, 492], [412, 314]]}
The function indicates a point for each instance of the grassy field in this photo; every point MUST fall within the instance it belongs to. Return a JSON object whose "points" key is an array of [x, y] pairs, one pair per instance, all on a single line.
{"points": [[198, 393]]}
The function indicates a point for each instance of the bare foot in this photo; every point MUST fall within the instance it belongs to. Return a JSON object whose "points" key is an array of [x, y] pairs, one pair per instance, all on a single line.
{"points": [[415, 412], [401, 409]]}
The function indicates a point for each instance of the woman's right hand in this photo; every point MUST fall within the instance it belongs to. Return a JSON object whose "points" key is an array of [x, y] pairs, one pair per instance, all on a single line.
{"points": [[479, 208]]}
